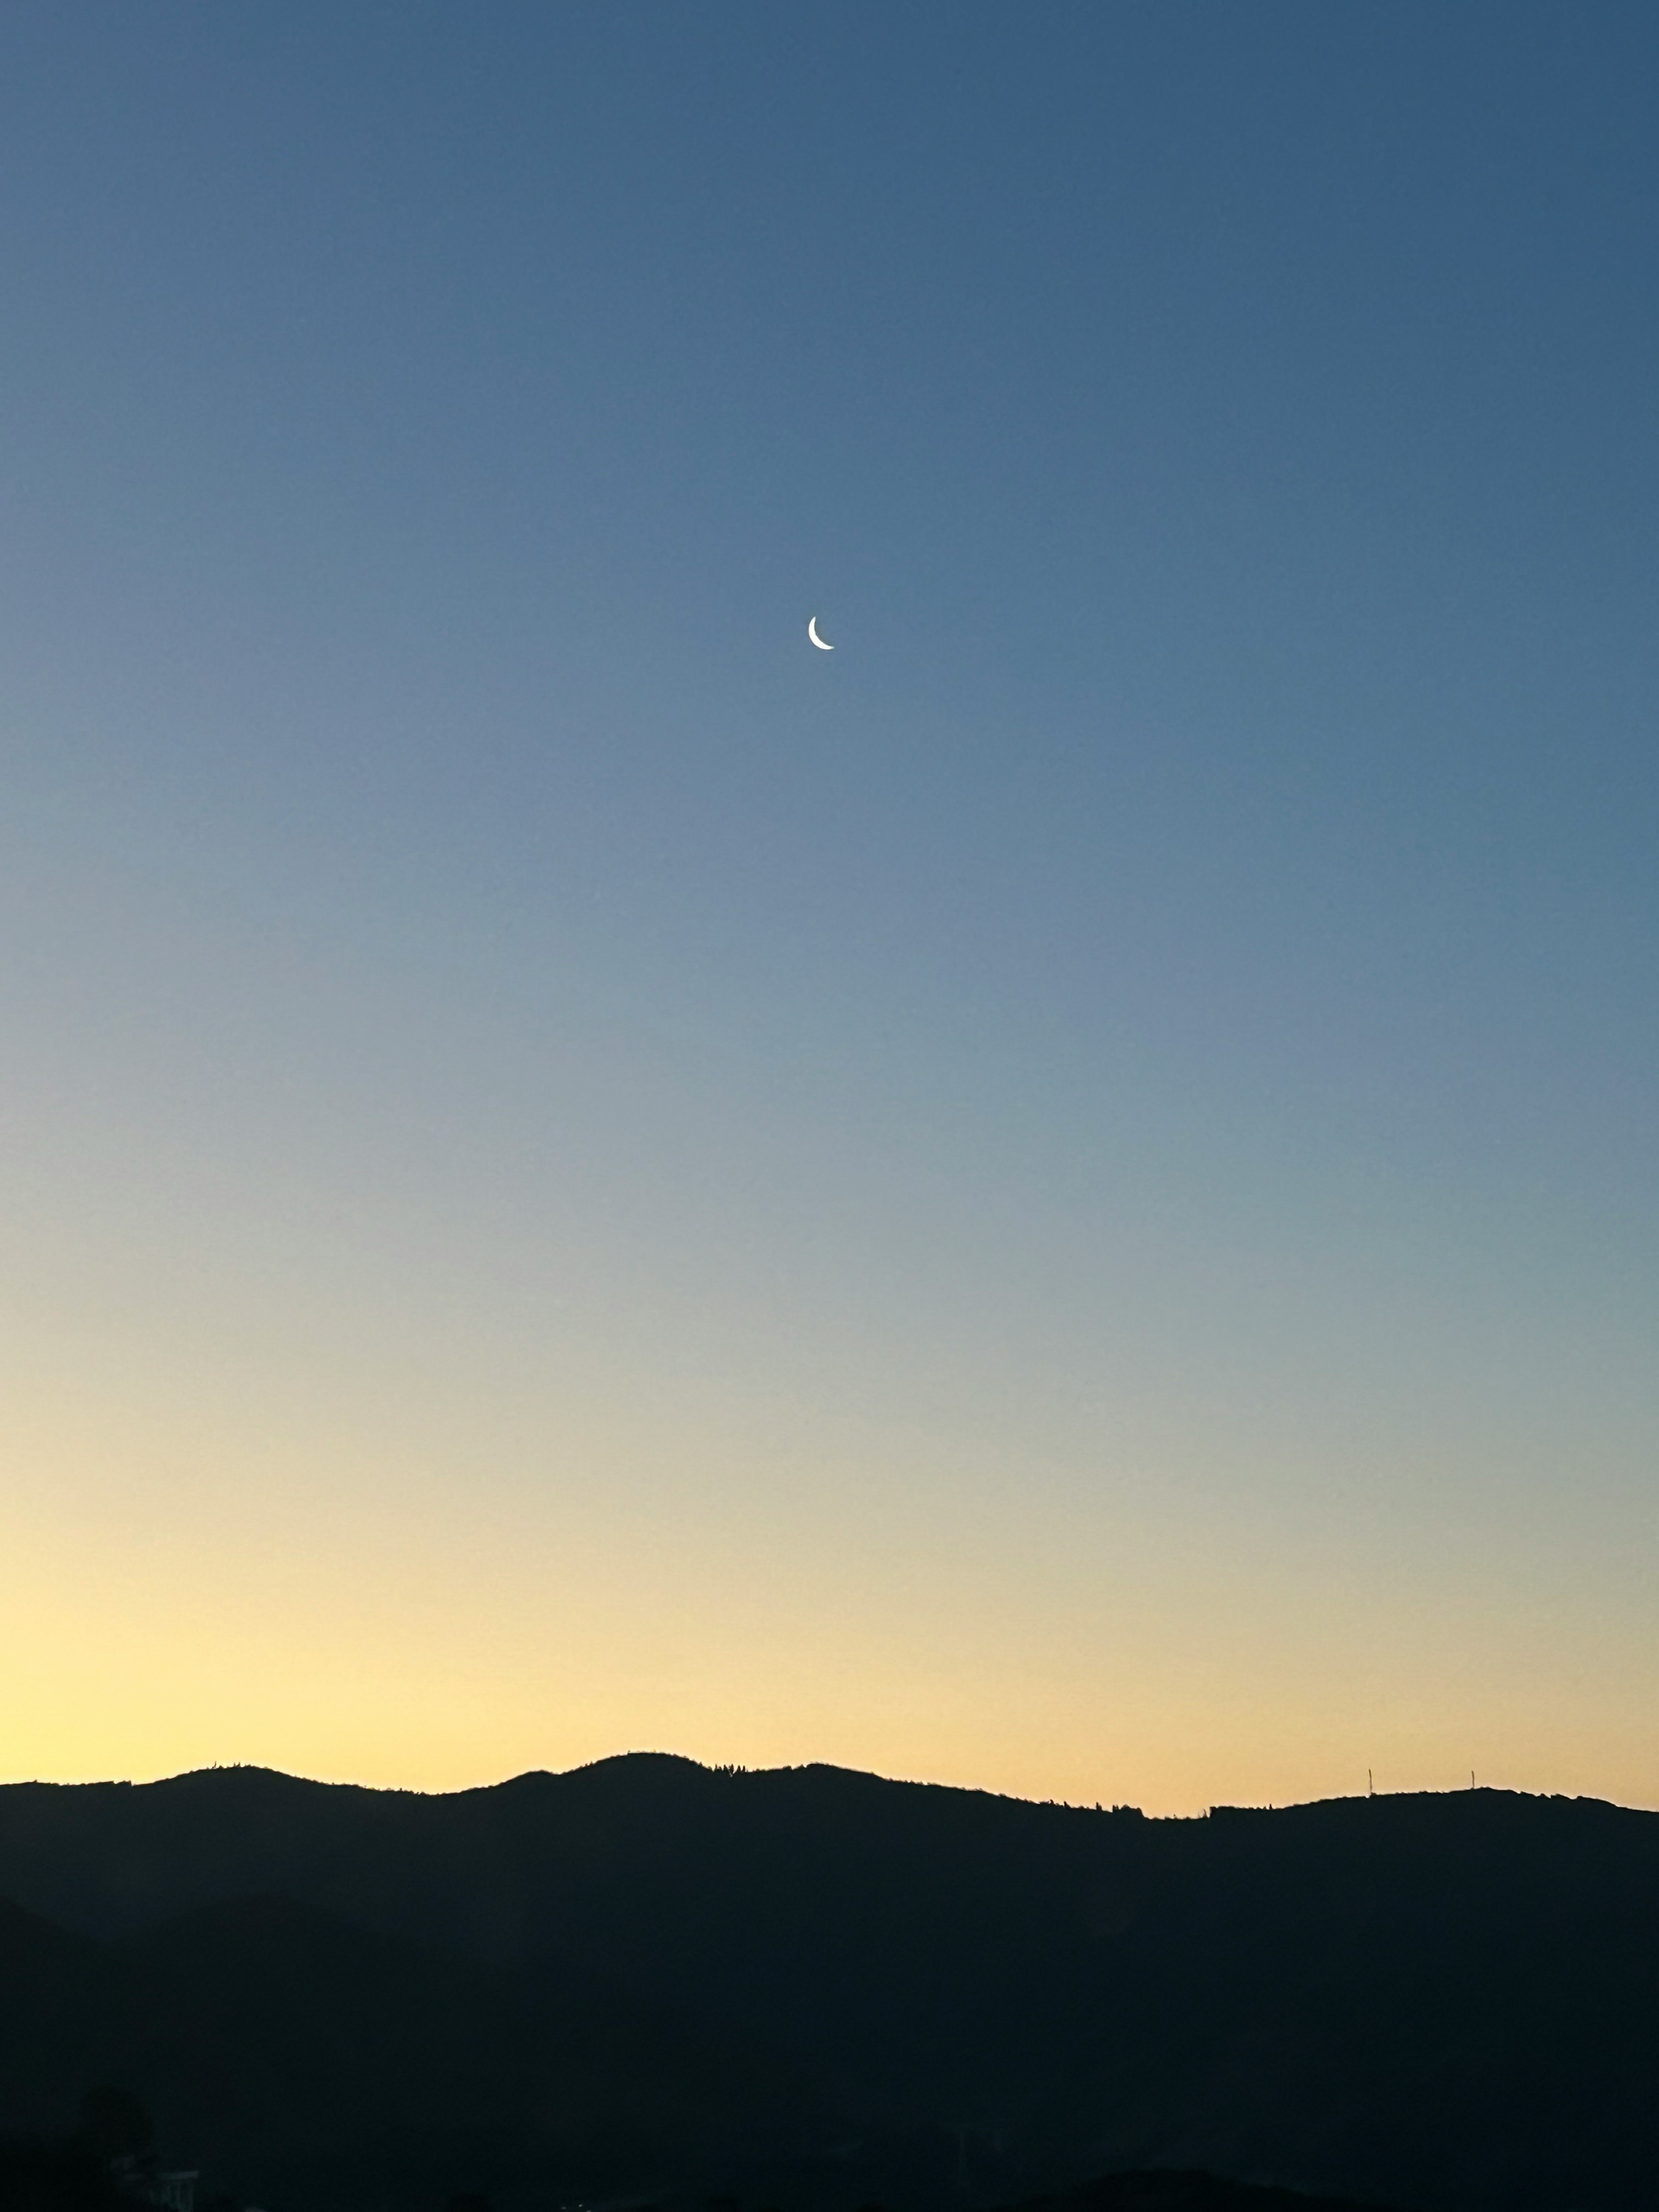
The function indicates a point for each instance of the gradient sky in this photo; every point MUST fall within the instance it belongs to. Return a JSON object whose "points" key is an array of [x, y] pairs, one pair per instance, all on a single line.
{"points": [[1061, 1199]]}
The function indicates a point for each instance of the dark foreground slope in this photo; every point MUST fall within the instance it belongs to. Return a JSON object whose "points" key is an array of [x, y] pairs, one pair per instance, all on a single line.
{"points": [[1167, 2190], [811, 1987], [301, 2059]]}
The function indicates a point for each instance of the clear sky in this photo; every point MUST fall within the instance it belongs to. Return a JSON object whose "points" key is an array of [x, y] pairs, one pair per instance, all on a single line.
{"points": [[1060, 1198]]}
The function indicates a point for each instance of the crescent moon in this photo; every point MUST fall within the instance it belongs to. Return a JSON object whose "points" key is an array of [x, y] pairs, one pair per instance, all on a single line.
{"points": [[812, 632]]}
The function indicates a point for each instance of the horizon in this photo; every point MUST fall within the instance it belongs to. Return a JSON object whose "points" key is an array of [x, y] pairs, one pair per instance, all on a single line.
{"points": [[1059, 1196], [734, 1771]]}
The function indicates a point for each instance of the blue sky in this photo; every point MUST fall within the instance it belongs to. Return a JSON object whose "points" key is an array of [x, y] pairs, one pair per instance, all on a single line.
{"points": [[1061, 1197]]}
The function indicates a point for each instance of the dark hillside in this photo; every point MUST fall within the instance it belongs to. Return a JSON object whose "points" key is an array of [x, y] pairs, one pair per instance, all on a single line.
{"points": [[307, 2059], [824, 1986], [1174, 2191]]}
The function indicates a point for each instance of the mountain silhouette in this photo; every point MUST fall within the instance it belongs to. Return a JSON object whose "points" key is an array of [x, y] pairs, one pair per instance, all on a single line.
{"points": [[649, 1980]]}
